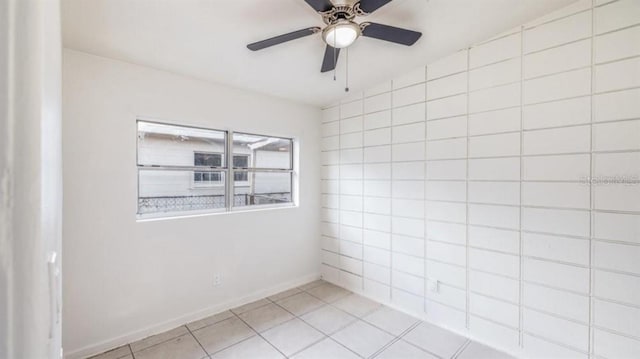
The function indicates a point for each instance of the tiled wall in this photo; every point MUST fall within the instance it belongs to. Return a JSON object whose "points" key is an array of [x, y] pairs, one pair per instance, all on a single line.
{"points": [[474, 172]]}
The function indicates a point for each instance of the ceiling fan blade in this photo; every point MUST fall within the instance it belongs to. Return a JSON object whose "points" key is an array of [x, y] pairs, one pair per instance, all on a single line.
{"points": [[320, 5], [282, 38], [330, 59], [390, 33], [370, 6]]}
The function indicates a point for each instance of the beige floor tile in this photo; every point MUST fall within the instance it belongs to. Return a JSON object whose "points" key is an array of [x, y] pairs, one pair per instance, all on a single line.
{"points": [[328, 319], [391, 320], [286, 293], [223, 334], [117, 353], [313, 284], [357, 305], [159, 338], [254, 348], [328, 292], [478, 351], [404, 350], [300, 303], [183, 347], [435, 340], [250, 306], [326, 349], [292, 336], [209, 320], [266, 317], [363, 338]]}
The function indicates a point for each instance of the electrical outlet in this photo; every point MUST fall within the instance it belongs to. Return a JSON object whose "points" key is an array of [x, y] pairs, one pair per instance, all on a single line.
{"points": [[217, 279], [432, 285]]}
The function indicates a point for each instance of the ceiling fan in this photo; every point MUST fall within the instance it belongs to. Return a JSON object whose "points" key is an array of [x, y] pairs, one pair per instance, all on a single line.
{"points": [[341, 30]]}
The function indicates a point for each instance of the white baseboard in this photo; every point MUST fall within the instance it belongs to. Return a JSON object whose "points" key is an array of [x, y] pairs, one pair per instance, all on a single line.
{"points": [[131, 337]]}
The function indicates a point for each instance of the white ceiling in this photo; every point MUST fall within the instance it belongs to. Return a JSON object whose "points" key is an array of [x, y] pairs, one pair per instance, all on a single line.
{"points": [[206, 39]]}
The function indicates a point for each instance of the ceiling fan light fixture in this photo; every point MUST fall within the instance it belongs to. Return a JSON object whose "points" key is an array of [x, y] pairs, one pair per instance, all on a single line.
{"points": [[341, 34]]}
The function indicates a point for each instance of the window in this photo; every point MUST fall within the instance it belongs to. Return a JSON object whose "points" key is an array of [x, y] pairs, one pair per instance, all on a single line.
{"points": [[269, 174], [184, 169], [205, 159]]}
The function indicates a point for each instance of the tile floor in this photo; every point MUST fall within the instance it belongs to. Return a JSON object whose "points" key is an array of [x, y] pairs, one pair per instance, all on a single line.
{"points": [[317, 320]]}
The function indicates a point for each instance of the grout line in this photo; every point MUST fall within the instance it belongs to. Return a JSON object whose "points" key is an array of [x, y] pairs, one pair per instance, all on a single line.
{"points": [[591, 187], [466, 201], [200, 344]]}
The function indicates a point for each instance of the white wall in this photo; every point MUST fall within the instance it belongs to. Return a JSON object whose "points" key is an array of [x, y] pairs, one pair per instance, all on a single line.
{"points": [[472, 171], [30, 177], [126, 279]]}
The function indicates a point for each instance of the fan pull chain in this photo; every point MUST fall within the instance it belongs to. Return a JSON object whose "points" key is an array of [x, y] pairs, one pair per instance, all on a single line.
{"points": [[346, 84], [335, 58]]}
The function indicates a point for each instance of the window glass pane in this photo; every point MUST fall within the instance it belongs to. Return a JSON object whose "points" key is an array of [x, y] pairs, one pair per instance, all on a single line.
{"points": [[168, 145], [263, 188], [175, 191], [263, 151]]}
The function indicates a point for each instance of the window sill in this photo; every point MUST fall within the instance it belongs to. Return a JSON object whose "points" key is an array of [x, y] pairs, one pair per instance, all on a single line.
{"points": [[153, 217]]}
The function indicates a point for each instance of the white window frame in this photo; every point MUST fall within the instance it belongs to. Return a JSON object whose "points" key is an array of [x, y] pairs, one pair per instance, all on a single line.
{"points": [[227, 169]]}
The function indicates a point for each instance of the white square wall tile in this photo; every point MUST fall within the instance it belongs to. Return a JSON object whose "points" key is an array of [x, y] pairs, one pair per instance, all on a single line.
{"points": [[351, 140], [378, 222], [377, 154], [409, 265], [495, 286], [378, 273], [378, 171], [377, 205], [447, 232], [616, 136], [504, 120], [447, 128], [447, 149], [554, 194], [556, 168], [560, 302], [617, 15], [555, 87], [331, 114], [558, 140], [447, 86], [499, 311], [408, 95], [618, 257], [503, 240], [491, 332], [493, 262], [446, 190], [558, 59], [377, 103], [447, 170], [407, 283], [564, 249], [559, 330], [494, 51], [619, 197], [408, 226], [378, 89], [377, 239], [408, 133], [495, 98], [617, 227], [408, 114], [408, 245], [408, 189], [623, 288], [556, 275], [611, 345], [446, 211], [617, 317], [495, 216], [446, 273], [448, 65], [556, 221], [494, 192], [617, 75], [493, 75], [535, 347], [558, 113], [445, 316], [351, 109], [448, 253], [408, 208], [377, 120], [495, 169], [558, 32], [447, 107], [617, 45], [408, 170], [330, 129], [349, 125], [501, 145], [377, 137], [377, 188], [620, 105], [450, 296]]}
